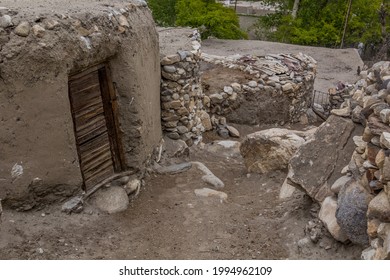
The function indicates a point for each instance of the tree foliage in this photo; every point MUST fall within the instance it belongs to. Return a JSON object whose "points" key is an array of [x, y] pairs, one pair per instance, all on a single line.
{"points": [[321, 22], [212, 19]]}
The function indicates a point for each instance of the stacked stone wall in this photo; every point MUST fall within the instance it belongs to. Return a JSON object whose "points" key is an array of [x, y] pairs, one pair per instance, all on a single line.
{"points": [[182, 95]]}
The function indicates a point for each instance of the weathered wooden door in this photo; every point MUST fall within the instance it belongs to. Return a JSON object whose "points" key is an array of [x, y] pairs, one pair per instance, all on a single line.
{"points": [[95, 124]]}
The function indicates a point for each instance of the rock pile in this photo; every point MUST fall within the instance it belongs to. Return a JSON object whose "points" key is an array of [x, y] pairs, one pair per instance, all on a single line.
{"points": [[275, 89], [364, 193], [182, 111], [355, 205]]}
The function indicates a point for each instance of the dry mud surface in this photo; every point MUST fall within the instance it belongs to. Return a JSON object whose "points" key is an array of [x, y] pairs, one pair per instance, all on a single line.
{"points": [[168, 221]]}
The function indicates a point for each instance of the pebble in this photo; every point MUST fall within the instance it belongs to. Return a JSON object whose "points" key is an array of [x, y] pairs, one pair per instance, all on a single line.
{"points": [[38, 31], [5, 21], [23, 29]]}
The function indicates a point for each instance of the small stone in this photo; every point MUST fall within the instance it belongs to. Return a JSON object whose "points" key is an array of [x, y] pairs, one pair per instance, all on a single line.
{"points": [[384, 115], [173, 135], [205, 120], [169, 68], [133, 187], [327, 215], [360, 144], [385, 140], [386, 170], [379, 208], [228, 90], [287, 87], [236, 87], [344, 112], [38, 31], [175, 96], [339, 183], [372, 228], [51, 24], [174, 168], [182, 129], [171, 105], [216, 98], [40, 251], [123, 21], [111, 200], [287, 190], [171, 59], [368, 254], [233, 132], [5, 21], [206, 192], [74, 205], [252, 84], [380, 159], [23, 29]]}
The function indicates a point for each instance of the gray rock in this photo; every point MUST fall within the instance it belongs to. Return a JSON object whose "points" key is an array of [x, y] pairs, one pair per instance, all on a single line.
{"points": [[379, 208], [174, 169], [269, 149], [327, 215], [233, 132], [170, 59], [169, 68], [111, 200], [225, 148], [73, 205], [287, 87], [38, 31], [339, 183], [353, 202], [228, 90], [385, 140], [173, 135], [213, 180], [182, 129], [286, 191], [175, 148], [206, 192], [5, 21], [344, 112], [23, 29], [252, 84], [216, 98], [368, 254], [133, 187], [315, 161]]}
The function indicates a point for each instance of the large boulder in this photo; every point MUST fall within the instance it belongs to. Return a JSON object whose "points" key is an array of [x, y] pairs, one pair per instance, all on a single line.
{"points": [[269, 149], [317, 163], [353, 201]]}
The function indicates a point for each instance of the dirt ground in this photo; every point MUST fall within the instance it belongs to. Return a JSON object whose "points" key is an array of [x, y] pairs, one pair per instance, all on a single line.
{"points": [[168, 221]]}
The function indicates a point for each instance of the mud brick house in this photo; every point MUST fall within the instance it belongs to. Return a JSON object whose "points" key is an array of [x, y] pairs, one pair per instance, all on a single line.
{"points": [[79, 95]]}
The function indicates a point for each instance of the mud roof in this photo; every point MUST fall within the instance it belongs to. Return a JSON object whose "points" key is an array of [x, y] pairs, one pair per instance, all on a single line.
{"points": [[41, 7]]}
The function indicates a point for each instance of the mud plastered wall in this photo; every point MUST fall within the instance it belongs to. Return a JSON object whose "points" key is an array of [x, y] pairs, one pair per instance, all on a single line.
{"points": [[39, 50]]}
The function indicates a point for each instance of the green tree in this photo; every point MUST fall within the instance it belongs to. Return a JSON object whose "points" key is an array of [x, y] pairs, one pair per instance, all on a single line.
{"points": [[212, 19], [163, 11], [321, 22]]}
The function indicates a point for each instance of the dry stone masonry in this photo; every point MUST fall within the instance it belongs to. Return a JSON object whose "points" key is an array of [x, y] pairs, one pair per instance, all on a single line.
{"points": [[364, 191], [272, 89], [181, 92]]}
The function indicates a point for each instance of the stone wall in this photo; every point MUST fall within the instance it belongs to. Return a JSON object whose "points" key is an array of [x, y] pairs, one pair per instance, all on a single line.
{"points": [[363, 193], [256, 90], [181, 90], [39, 50]]}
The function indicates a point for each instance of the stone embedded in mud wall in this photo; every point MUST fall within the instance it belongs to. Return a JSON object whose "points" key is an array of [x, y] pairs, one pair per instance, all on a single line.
{"points": [[182, 113], [269, 89]]}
